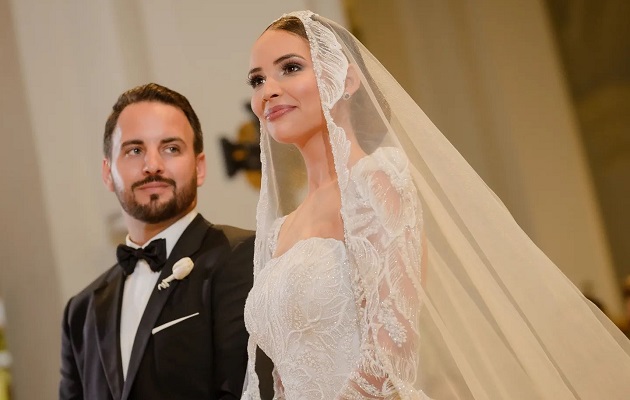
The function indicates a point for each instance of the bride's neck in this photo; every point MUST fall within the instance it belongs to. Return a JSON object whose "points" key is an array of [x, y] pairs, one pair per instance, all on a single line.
{"points": [[319, 161]]}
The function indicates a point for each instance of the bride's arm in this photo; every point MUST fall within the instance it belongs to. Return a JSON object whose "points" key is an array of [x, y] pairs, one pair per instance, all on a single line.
{"points": [[278, 389], [387, 253]]}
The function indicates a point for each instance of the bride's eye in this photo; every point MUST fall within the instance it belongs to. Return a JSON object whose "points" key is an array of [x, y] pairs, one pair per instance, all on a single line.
{"points": [[291, 67], [255, 81]]}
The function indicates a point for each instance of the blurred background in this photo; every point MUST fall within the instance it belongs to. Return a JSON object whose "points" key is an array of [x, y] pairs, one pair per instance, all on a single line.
{"points": [[535, 95]]}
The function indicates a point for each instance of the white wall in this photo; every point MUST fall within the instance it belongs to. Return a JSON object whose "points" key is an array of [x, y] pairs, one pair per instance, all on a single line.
{"points": [[28, 277]]}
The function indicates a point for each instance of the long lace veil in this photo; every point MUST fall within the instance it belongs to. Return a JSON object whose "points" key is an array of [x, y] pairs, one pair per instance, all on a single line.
{"points": [[495, 318]]}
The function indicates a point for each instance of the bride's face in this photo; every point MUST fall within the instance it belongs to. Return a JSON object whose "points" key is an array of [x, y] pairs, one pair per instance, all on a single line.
{"points": [[285, 97]]}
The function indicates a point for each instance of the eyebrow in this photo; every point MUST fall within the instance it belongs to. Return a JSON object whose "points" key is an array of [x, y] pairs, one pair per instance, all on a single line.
{"points": [[278, 61], [140, 142], [171, 140], [131, 142]]}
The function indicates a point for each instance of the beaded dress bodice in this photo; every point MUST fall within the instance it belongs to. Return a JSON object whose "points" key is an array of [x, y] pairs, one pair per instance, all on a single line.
{"points": [[301, 312], [334, 324]]}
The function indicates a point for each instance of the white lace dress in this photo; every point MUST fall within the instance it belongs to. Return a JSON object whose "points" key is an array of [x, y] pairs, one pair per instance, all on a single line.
{"points": [[302, 314], [339, 320]]}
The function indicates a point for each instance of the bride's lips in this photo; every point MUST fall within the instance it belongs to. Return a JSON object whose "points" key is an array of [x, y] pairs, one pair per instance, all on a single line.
{"points": [[276, 112]]}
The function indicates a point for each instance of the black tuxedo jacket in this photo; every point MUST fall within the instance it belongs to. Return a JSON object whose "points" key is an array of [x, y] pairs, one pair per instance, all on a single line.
{"points": [[202, 357]]}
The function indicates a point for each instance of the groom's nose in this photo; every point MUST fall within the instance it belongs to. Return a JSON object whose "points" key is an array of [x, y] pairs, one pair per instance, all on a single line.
{"points": [[153, 162]]}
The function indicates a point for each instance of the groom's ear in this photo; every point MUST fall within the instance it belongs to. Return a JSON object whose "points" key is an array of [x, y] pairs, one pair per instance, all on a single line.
{"points": [[201, 168], [106, 173], [353, 79]]}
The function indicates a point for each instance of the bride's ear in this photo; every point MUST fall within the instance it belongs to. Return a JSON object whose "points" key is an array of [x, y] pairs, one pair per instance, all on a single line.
{"points": [[353, 80]]}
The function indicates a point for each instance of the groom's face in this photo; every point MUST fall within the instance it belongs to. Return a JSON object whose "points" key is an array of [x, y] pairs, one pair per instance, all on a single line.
{"points": [[153, 168]]}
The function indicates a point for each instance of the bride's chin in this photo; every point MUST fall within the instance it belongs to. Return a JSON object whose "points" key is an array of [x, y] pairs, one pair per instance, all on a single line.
{"points": [[282, 136]]}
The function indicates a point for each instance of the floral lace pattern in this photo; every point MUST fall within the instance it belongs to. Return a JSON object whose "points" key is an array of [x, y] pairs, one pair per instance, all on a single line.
{"points": [[484, 336], [301, 312], [341, 324], [382, 219], [340, 319]]}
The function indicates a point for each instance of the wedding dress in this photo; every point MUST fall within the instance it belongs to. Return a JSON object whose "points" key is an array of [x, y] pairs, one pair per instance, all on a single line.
{"points": [[307, 307], [434, 291]]}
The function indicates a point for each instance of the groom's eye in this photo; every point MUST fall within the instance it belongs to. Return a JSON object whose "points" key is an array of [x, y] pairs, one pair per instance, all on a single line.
{"points": [[133, 151]]}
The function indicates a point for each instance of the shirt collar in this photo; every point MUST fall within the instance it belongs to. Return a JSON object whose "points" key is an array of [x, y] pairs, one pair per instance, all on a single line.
{"points": [[171, 234]]}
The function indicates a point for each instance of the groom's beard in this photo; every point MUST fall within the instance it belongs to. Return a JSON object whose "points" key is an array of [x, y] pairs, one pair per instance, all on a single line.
{"points": [[156, 211]]}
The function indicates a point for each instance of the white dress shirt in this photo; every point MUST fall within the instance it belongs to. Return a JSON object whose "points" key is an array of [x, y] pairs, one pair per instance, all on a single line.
{"points": [[139, 286]]}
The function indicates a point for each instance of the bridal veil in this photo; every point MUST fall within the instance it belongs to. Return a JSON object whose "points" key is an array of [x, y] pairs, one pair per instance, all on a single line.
{"points": [[489, 315]]}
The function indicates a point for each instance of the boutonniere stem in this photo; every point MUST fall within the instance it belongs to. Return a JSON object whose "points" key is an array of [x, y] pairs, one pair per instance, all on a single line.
{"points": [[181, 269]]}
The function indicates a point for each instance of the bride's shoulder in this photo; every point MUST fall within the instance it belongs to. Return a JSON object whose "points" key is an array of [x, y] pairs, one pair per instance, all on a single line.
{"points": [[386, 164], [272, 234], [382, 180]]}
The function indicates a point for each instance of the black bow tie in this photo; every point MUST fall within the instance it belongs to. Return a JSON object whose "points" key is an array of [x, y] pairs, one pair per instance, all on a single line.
{"points": [[154, 254]]}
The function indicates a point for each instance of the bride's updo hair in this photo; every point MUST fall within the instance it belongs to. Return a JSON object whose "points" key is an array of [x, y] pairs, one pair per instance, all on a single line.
{"points": [[367, 122], [289, 24]]}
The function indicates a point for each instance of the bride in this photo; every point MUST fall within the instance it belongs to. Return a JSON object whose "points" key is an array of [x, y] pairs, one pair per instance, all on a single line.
{"points": [[384, 266]]}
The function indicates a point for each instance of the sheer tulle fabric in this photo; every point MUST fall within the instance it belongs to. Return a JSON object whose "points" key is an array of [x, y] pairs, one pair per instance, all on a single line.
{"points": [[451, 299]]}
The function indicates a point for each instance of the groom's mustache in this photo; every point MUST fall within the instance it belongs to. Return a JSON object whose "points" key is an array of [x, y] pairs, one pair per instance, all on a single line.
{"points": [[153, 178]]}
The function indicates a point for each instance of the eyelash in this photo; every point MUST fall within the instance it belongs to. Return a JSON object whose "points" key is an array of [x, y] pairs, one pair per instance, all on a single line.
{"points": [[254, 81], [289, 65], [133, 151], [137, 150], [288, 68]]}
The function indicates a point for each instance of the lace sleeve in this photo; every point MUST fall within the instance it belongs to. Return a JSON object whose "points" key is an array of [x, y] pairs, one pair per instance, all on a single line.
{"points": [[384, 239]]}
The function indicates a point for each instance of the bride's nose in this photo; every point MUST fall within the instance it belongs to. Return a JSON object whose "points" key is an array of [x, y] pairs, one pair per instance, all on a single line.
{"points": [[271, 89]]}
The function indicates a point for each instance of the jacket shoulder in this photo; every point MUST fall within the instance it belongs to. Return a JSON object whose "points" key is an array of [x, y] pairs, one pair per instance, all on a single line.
{"points": [[234, 235], [102, 280]]}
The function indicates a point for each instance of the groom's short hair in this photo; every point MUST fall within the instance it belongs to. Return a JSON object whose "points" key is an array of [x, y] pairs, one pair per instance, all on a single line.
{"points": [[156, 93]]}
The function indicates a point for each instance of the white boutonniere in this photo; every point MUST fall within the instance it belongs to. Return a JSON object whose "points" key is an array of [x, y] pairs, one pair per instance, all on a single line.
{"points": [[181, 269]]}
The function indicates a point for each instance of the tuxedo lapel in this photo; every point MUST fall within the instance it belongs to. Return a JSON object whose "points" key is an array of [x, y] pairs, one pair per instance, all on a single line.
{"points": [[107, 301], [189, 242]]}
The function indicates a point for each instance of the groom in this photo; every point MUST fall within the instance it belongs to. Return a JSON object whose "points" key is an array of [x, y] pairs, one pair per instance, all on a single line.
{"points": [[122, 337]]}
